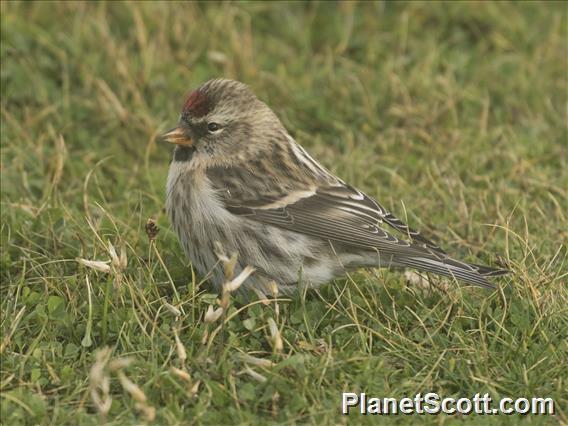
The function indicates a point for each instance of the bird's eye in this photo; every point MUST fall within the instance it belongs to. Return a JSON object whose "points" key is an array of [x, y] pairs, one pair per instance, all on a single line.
{"points": [[213, 127]]}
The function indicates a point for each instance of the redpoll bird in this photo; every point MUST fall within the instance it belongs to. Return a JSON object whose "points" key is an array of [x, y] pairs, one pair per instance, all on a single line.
{"points": [[238, 178]]}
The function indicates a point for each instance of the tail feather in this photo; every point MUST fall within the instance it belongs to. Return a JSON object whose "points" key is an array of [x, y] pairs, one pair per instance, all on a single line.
{"points": [[469, 273], [488, 271]]}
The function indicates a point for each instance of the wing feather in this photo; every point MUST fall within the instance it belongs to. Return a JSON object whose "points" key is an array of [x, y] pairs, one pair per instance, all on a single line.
{"points": [[337, 213]]}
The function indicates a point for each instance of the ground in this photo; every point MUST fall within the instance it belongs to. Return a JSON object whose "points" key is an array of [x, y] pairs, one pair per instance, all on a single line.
{"points": [[453, 115]]}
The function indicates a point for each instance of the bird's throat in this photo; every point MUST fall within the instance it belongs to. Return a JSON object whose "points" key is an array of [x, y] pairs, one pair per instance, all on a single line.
{"points": [[183, 153]]}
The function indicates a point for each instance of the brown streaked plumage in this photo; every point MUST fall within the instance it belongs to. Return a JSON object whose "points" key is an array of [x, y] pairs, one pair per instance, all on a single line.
{"points": [[240, 179]]}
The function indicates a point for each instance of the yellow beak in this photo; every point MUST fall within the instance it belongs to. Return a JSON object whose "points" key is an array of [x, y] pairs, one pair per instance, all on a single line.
{"points": [[177, 136]]}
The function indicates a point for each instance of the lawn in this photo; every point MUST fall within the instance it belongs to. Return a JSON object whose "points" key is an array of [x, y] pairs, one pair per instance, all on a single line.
{"points": [[453, 115]]}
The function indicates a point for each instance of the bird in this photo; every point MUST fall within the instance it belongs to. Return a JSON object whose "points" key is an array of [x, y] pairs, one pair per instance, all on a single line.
{"points": [[239, 180]]}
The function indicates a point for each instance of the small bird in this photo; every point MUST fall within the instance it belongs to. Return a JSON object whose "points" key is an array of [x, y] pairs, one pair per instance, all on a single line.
{"points": [[240, 180]]}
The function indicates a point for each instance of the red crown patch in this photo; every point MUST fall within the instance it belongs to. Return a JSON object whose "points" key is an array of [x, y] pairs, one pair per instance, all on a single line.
{"points": [[197, 104]]}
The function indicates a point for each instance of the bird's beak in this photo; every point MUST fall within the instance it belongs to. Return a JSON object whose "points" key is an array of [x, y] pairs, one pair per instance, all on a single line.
{"points": [[177, 136]]}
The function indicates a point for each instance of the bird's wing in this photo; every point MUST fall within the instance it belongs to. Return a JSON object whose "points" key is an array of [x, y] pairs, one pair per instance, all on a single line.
{"points": [[338, 213], [341, 214]]}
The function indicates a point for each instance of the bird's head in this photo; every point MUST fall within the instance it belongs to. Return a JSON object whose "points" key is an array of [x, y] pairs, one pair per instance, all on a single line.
{"points": [[221, 123]]}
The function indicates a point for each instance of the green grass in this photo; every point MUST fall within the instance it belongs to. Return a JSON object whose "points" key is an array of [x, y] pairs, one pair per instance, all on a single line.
{"points": [[453, 115]]}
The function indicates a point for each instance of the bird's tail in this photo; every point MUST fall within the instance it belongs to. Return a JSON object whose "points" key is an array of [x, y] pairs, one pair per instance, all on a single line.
{"points": [[466, 272]]}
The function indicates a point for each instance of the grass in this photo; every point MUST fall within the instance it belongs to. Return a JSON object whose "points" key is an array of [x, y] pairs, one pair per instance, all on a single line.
{"points": [[453, 115]]}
